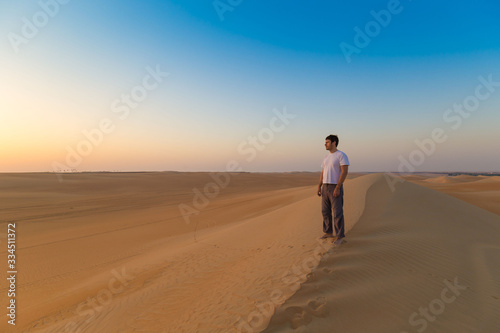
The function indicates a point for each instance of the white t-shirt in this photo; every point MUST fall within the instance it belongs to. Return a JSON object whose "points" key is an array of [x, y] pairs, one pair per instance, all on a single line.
{"points": [[331, 166]]}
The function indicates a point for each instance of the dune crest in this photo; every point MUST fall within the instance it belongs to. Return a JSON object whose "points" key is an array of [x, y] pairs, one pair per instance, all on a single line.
{"points": [[417, 260], [227, 275]]}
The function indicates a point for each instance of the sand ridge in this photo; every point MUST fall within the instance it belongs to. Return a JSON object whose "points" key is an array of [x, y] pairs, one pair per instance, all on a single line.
{"points": [[78, 246], [227, 278], [482, 191], [411, 247]]}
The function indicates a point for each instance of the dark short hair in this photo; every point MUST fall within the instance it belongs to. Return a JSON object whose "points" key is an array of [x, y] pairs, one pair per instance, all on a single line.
{"points": [[333, 138]]}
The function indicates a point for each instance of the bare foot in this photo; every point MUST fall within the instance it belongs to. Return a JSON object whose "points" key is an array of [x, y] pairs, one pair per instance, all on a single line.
{"points": [[325, 236]]}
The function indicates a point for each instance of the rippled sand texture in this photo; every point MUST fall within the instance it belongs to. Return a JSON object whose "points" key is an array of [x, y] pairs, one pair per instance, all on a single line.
{"points": [[416, 261], [111, 252]]}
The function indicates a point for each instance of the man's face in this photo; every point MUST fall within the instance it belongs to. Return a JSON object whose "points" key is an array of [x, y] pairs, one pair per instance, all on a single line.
{"points": [[328, 144]]}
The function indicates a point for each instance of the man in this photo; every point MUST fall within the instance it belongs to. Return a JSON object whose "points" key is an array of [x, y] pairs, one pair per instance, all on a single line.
{"points": [[333, 174]]}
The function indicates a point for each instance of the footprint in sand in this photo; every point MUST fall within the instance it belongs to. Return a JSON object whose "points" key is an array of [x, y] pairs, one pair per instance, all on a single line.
{"points": [[318, 307], [327, 270], [297, 316]]}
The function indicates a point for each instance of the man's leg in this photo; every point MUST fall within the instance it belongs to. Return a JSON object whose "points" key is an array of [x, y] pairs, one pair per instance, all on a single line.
{"points": [[338, 213], [326, 207]]}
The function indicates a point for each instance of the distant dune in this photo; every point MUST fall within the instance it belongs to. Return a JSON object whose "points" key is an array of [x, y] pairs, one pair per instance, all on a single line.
{"points": [[442, 179], [482, 191], [453, 179], [490, 179]]}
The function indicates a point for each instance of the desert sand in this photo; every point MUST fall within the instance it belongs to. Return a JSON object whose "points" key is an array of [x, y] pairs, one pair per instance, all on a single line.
{"points": [[482, 191], [111, 252]]}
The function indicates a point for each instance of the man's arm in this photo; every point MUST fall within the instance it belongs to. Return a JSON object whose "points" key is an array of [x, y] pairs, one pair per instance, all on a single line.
{"points": [[344, 169], [320, 183]]}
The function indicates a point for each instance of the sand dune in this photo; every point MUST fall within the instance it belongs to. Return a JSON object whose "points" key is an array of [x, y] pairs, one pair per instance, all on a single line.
{"points": [[100, 245], [112, 253], [489, 179], [441, 179], [482, 191], [452, 179], [402, 256]]}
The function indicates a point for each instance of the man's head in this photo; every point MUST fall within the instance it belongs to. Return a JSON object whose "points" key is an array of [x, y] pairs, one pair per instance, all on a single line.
{"points": [[331, 142]]}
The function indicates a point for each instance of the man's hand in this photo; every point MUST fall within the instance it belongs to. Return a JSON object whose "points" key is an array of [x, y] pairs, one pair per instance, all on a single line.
{"points": [[319, 191], [336, 192]]}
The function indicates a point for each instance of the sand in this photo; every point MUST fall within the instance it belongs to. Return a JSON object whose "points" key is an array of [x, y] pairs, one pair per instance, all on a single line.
{"points": [[482, 191], [112, 253], [401, 258]]}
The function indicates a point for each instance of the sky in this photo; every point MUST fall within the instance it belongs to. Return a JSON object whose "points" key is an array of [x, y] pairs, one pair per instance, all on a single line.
{"points": [[184, 85]]}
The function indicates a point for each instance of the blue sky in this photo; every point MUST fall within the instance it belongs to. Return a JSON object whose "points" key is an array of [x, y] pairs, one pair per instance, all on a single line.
{"points": [[225, 78]]}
